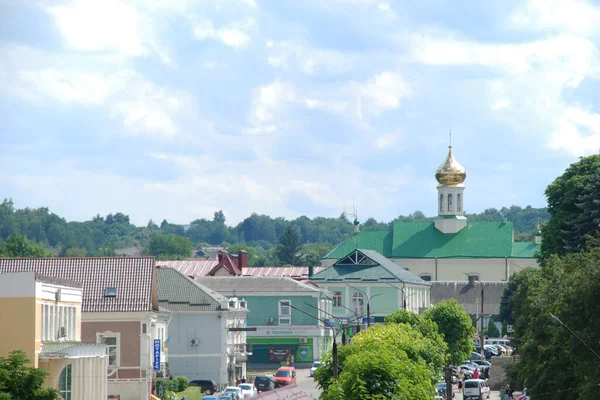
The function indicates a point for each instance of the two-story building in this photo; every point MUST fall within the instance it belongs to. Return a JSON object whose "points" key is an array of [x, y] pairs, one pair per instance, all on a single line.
{"points": [[119, 310], [207, 331], [41, 316], [288, 316], [365, 278]]}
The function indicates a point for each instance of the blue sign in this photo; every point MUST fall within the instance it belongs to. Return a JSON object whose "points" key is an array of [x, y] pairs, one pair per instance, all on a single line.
{"points": [[509, 328], [344, 320], [304, 352], [476, 343], [157, 354], [329, 323], [364, 320]]}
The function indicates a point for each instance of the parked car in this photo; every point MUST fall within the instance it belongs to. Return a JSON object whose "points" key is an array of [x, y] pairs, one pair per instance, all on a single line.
{"points": [[234, 391], [482, 363], [207, 386], [209, 397], [264, 383], [285, 376], [248, 390], [475, 355], [314, 367], [441, 389], [476, 389], [226, 396]]}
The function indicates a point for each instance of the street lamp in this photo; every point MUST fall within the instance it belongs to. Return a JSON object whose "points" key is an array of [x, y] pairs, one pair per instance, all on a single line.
{"points": [[344, 326], [368, 303], [554, 317], [404, 298]]}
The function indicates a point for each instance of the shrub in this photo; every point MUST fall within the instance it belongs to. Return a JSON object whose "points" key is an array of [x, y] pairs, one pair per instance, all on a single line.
{"points": [[180, 383]]}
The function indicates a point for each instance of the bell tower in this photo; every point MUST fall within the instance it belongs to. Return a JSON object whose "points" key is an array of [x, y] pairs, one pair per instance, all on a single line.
{"points": [[450, 176]]}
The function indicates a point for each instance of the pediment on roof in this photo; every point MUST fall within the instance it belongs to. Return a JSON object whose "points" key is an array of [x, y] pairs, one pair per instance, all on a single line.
{"points": [[356, 258]]}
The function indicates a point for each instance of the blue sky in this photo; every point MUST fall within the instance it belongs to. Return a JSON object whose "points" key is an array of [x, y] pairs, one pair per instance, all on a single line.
{"points": [[175, 109]]}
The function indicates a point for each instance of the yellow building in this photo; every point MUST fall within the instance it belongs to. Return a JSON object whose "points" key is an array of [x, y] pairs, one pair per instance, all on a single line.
{"points": [[42, 317]]}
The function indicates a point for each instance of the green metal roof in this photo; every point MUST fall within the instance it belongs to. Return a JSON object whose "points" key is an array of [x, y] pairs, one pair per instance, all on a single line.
{"points": [[477, 239], [524, 249], [380, 241], [378, 269], [177, 292]]}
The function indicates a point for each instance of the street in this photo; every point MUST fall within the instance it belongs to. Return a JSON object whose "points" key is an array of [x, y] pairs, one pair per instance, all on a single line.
{"points": [[307, 383]]}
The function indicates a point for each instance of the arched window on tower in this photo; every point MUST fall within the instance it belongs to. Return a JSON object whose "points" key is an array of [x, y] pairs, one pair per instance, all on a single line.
{"points": [[441, 203], [449, 201], [458, 202]]}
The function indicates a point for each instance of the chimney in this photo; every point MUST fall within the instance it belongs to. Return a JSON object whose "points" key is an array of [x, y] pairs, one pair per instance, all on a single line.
{"points": [[242, 259], [311, 271], [220, 256]]}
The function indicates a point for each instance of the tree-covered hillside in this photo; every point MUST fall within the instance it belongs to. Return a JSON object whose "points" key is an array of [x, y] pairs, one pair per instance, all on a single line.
{"points": [[259, 234]]}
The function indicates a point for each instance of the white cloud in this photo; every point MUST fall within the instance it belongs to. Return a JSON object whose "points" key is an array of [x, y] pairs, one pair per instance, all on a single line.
{"points": [[564, 15], [233, 35], [381, 93], [270, 99], [578, 131], [98, 25], [386, 141], [297, 55], [143, 107]]}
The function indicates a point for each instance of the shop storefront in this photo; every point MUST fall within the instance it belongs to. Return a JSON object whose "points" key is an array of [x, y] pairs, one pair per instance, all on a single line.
{"points": [[276, 345]]}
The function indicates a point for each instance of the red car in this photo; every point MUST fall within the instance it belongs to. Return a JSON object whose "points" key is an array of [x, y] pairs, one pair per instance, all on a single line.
{"points": [[285, 376]]}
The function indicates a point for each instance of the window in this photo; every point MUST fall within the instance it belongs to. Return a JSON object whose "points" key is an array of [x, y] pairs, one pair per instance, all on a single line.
{"points": [[337, 299], [110, 292], [45, 321], [441, 203], [111, 340], [64, 383], [426, 277], [358, 303], [459, 202], [285, 312], [449, 201]]}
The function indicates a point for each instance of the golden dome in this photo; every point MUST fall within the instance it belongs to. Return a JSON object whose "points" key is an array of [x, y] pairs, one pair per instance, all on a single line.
{"points": [[450, 173]]}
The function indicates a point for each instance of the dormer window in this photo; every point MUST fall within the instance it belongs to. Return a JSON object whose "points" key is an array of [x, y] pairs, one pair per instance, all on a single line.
{"points": [[110, 292]]}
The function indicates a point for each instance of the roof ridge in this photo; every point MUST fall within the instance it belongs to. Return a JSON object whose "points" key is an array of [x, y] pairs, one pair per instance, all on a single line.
{"points": [[206, 290]]}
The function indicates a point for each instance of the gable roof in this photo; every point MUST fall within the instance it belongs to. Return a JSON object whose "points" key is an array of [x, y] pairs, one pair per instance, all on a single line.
{"points": [[190, 267], [229, 263], [177, 292], [478, 239], [366, 266], [524, 249], [132, 276], [297, 273], [246, 285]]}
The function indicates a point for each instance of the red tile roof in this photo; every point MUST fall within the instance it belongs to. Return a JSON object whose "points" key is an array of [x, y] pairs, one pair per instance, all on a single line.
{"points": [[134, 278], [228, 262]]}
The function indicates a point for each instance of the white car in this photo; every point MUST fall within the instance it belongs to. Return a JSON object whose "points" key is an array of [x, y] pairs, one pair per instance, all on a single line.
{"points": [[314, 367], [234, 391], [476, 389], [248, 390]]}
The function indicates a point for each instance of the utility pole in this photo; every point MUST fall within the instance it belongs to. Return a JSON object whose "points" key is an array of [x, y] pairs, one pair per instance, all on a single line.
{"points": [[481, 334]]}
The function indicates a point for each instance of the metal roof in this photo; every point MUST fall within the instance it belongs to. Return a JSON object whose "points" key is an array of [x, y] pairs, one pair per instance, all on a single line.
{"points": [[177, 292], [133, 278], [256, 284], [297, 273], [478, 239], [191, 267]]}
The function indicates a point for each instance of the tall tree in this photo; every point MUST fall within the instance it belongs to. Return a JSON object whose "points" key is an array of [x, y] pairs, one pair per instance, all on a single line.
{"points": [[569, 205], [20, 246], [288, 249], [166, 247], [18, 381], [219, 217]]}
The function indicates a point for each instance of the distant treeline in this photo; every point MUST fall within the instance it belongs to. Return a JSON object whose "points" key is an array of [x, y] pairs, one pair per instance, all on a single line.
{"points": [[102, 235]]}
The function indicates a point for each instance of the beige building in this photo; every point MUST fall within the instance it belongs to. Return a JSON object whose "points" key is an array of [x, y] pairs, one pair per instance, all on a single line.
{"points": [[42, 317], [449, 248]]}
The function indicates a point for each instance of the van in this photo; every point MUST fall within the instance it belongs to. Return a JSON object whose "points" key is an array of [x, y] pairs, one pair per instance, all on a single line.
{"points": [[504, 342], [285, 376], [476, 389]]}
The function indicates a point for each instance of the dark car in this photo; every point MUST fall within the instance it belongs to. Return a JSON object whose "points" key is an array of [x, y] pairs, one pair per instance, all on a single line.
{"points": [[264, 383], [206, 386]]}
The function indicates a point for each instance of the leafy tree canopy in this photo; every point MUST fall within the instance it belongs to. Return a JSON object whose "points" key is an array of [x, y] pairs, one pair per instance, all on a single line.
{"points": [[574, 207], [170, 247], [18, 381], [20, 246], [288, 249]]}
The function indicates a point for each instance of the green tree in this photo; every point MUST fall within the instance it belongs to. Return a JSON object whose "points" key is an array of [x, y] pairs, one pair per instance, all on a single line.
{"points": [[492, 329], [383, 362], [455, 326], [166, 246], [19, 246], [571, 208], [18, 381], [219, 217], [288, 249], [313, 252], [235, 248]]}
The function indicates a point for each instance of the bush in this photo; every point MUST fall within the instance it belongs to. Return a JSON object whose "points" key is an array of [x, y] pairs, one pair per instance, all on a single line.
{"points": [[180, 383]]}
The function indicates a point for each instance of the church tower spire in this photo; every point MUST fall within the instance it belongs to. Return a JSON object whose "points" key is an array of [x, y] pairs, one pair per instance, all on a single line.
{"points": [[450, 176]]}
